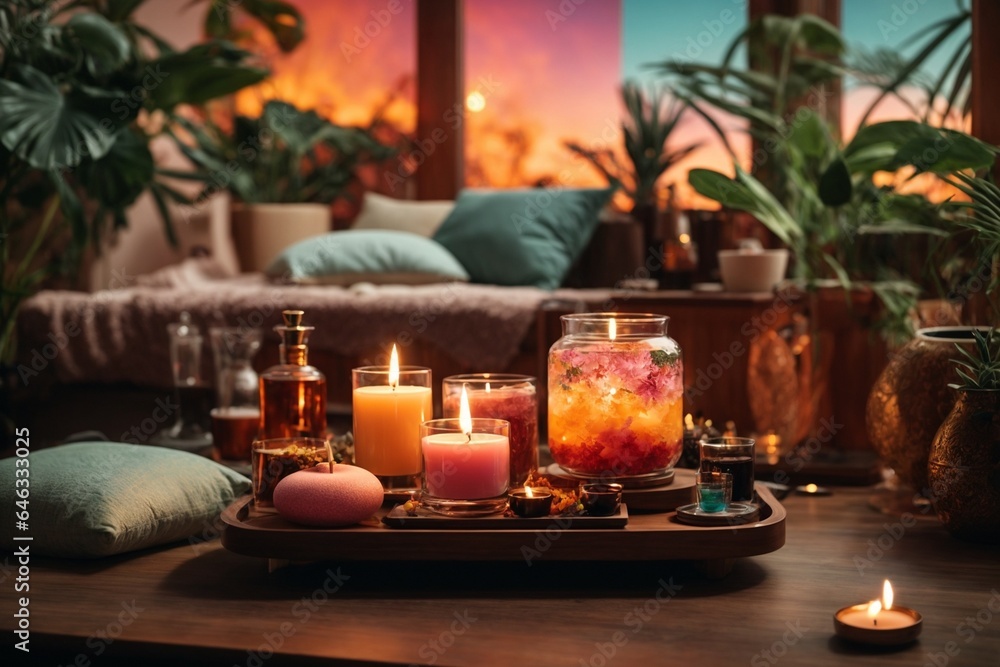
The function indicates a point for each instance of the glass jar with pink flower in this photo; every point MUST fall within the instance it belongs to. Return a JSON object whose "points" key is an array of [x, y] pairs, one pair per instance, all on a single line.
{"points": [[615, 396]]}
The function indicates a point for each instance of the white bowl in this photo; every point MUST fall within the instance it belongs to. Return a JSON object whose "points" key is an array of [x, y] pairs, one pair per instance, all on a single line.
{"points": [[752, 270]]}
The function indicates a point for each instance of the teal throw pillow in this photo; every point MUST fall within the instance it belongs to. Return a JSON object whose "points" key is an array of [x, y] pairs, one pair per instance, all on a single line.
{"points": [[93, 499], [521, 237], [371, 255]]}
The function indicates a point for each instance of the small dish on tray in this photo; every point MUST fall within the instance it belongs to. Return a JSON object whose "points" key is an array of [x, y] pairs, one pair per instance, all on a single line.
{"points": [[735, 514]]}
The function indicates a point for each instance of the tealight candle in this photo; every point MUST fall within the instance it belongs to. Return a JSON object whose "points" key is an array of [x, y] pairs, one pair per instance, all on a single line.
{"points": [[529, 502], [878, 622], [812, 490]]}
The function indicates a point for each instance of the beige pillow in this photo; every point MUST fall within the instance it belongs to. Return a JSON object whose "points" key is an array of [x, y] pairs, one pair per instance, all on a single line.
{"points": [[417, 217]]}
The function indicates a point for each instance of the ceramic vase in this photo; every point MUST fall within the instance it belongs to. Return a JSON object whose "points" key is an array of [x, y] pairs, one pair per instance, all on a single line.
{"points": [[964, 467], [911, 399]]}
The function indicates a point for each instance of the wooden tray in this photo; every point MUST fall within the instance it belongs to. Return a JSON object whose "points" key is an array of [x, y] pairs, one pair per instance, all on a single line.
{"points": [[398, 518], [680, 491], [647, 537]]}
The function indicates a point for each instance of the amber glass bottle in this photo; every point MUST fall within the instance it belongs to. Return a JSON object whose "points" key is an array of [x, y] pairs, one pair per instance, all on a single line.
{"points": [[293, 393]]}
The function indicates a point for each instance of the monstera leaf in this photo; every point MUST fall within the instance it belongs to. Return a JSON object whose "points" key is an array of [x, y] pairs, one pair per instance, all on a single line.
{"points": [[52, 129]]}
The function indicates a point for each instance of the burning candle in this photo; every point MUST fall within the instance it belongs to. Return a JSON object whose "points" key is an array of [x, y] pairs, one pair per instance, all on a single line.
{"points": [[501, 396], [530, 502], [390, 404], [466, 463], [878, 621]]}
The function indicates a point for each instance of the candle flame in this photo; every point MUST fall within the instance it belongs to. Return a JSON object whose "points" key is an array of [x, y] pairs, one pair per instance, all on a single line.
{"points": [[887, 595], [464, 414], [528, 492], [487, 387], [873, 609], [612, 328], [393, 368]]}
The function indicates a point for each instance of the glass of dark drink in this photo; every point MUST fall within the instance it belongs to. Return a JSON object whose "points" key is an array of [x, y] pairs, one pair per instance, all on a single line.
{"points": [[233, 431], [732, 455]]}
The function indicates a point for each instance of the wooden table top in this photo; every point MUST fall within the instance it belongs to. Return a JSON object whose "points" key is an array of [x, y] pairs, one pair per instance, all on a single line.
{"points": [[203, 604]]}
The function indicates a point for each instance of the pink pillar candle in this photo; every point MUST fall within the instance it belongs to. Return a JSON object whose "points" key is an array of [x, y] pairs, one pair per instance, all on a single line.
{"points": [[460, 466]]}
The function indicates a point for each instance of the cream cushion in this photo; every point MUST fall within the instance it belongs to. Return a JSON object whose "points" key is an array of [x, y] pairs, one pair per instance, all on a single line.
{"points": [[417, 217]]}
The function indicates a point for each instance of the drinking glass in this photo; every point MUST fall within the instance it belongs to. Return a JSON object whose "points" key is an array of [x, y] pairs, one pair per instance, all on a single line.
{"points": [[733, 455], [715, 491]]}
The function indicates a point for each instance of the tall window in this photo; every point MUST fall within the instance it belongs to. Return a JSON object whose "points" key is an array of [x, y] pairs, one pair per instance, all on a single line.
{"points": [[538, 74]]}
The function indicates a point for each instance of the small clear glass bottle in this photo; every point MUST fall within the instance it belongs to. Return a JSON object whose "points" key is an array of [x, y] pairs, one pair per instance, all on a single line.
{"points": [[190, 430], [293, 393]]}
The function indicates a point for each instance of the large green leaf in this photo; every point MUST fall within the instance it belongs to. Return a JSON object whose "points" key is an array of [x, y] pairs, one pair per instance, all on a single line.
{"points": [[118, 178], [105, 47], [202, 73], [894, 133], [835, 186], [948, 152], [282, 20], [809, 134], [722, 189], [52, 130]]}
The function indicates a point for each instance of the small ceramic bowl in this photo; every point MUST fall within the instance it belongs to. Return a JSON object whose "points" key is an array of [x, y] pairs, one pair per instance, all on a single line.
{"points": [[752, 270]]}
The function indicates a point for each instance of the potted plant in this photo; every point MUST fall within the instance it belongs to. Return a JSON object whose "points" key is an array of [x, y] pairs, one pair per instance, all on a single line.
{"points": [[84, 89], [820, 197], [647, 133], [964, 465], [283, 169]]}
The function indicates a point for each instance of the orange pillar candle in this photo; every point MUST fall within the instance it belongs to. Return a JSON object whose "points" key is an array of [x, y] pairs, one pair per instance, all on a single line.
{"points": [[390, 404]]}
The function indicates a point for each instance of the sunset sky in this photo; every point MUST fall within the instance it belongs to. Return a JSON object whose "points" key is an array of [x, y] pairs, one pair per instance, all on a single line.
{"points": [[558, 72]]}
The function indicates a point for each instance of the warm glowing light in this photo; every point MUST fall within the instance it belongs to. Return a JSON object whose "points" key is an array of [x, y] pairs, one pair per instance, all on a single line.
{"points": [[684, 238], [529, 492], [887, 595], [873, 609], [487, 387], [475, 102], [612, 328], [464, 414], [393, 368], [689, 422], [811, 488]]}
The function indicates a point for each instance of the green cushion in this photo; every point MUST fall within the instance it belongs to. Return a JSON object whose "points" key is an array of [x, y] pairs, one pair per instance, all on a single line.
{"points": [[521, 237], [93, 499], [370, 255]]}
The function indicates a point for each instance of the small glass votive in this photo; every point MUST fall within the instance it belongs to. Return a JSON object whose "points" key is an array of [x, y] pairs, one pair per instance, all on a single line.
{"points": [[387, 419], [528, 502], [715, 491], [733, 455], [277, 458], [501, 396], [601, 499], [466, 471]]}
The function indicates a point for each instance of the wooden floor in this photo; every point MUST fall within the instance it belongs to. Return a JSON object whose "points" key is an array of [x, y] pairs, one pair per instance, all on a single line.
{"points": [[199, 604]]}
